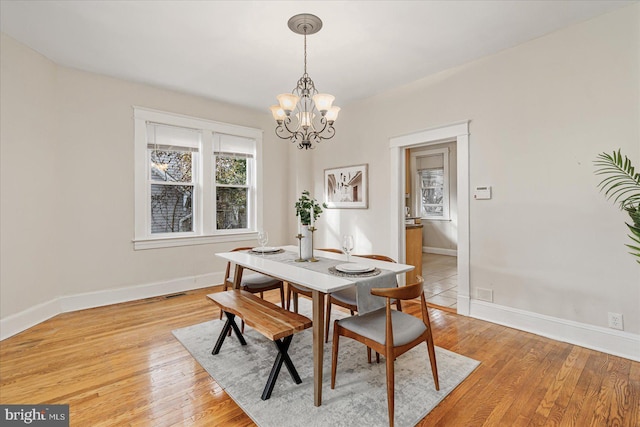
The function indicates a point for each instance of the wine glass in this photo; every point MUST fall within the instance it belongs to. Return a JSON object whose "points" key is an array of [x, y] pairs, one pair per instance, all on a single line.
{"points": [[263, 238], [347, 245]]}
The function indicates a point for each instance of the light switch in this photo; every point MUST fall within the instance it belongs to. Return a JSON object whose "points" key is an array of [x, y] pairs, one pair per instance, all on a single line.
{"points": [[482, 193]]}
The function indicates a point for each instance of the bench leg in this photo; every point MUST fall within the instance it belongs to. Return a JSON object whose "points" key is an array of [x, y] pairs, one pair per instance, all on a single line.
{"points": [[226, 329], [282, 357]]}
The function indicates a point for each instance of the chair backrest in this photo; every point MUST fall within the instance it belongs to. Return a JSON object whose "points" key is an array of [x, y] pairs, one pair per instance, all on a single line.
{"points": [[335, 251], [228, 270], [377, 257], [404, 292]]}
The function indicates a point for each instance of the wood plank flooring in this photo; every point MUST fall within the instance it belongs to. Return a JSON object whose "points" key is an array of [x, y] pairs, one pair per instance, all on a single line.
{"points": [[120, 365]]}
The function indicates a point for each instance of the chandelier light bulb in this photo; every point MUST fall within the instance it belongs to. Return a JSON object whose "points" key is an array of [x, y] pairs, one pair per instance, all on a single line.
{"points": [[332, 114], [305, 118], [323, 101], [278, 113], [288, 102]]}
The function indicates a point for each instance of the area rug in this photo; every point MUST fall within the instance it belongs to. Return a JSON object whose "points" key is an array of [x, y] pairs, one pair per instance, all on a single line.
{"points": [[359, 397]]}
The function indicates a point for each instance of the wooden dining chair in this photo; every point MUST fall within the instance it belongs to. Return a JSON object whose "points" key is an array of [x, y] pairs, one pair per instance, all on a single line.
{"points": [[347, 298], [256, 283], [294, 290], [390, 333]]}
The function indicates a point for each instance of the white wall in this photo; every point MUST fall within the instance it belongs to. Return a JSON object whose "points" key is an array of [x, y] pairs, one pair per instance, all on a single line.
{"points": [[30, 170], [68, 190], [548, 242]]}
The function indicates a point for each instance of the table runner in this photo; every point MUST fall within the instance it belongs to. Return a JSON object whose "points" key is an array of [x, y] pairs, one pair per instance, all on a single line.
{"points": [[364, 300]]}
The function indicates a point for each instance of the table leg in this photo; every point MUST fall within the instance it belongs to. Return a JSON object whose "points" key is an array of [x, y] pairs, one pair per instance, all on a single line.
{"points": [[237, 276], [318, 343]]}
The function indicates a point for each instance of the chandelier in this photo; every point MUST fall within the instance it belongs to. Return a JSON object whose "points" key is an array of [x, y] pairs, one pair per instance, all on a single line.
{"points": [[305, 116]]}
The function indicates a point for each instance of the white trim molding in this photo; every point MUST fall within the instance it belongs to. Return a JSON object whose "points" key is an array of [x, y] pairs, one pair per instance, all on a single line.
{"points": [[193, 240], [16, 323], [610, 341], [211, 135], [458, 132]]}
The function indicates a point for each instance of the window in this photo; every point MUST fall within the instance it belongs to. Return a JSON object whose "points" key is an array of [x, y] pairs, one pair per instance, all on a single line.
{"points": [[432, 192], [432, 197], [234, 166], [196, 180]]}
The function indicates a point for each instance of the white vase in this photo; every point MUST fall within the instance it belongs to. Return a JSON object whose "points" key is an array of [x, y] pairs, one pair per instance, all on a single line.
{"points": [[306, 250]]}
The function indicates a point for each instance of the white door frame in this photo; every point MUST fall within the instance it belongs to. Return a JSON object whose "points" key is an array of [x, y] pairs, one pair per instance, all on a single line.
{"points": [[458, 132]]}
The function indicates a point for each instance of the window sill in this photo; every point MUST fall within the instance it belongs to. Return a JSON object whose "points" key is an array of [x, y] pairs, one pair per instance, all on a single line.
{"points": [[170, 242]]}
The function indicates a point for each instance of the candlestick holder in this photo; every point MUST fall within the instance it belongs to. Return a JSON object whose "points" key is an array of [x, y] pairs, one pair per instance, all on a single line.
{"points": [[313, 258], [300, 237]]}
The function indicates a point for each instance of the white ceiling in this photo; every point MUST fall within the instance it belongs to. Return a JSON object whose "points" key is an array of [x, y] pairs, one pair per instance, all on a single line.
{"points": [[243, 52]]}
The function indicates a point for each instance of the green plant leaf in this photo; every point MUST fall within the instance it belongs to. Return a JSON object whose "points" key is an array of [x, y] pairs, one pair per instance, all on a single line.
{"points": [[622, 183]]}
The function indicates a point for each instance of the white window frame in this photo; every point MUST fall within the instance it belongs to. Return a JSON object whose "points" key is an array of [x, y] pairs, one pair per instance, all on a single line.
{"points": [[204, 180], [417, 194]]}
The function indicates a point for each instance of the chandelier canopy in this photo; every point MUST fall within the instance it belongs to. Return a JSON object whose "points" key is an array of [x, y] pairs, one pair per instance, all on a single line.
{"points": [[305, 116]]}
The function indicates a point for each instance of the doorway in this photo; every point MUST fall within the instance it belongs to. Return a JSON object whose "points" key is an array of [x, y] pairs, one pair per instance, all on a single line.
{"points": [[459, 133], [431, 192]]}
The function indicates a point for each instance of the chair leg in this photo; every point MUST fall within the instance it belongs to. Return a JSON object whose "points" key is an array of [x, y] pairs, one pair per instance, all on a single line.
{"points": [[430, 343], [334, 354], [398, 305], [295, 302], [432, 360], [288, 296], [390, 386], [368, 354], [327, 320], [282, 296]]}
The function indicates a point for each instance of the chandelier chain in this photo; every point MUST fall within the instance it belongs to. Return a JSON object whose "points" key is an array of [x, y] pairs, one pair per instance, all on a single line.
{"points": [[305, 50]]}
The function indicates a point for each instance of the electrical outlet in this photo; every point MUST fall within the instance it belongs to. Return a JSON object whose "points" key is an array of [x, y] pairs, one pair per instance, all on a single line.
{"points": [[615, 321], [484, 294]]}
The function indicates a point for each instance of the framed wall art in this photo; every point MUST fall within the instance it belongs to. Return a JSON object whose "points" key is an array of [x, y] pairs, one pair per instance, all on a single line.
{"points": [[347, 187]]}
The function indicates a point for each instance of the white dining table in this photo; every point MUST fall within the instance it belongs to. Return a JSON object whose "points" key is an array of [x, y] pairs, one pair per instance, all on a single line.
{"points": [[319, 283]]}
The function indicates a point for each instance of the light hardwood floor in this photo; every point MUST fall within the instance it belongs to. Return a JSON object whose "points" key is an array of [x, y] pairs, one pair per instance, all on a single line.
{"points": [[120, 365]]}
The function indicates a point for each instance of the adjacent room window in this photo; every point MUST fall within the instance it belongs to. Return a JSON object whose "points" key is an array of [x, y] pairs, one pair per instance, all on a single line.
{"points": [[196, 180], [433, 184]]}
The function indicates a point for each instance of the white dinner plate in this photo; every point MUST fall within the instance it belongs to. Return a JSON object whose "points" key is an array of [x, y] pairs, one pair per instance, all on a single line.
{"points": [[265, 249], [354, 268]]}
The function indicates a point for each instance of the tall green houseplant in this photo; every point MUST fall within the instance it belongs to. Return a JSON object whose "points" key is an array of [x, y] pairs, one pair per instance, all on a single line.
{"points": [[621, 184]]}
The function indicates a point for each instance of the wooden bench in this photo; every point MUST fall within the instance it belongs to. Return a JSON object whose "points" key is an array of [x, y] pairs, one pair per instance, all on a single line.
{"points": [[272, 321]]}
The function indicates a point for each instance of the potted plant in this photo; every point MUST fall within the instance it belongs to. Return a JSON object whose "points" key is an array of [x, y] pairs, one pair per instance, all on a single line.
{"points": [[304, 206], [308, 210], [622, 184]]}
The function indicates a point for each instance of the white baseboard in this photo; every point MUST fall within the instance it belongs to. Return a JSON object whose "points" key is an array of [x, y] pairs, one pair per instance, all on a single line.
{"points": [[16, 323], [611, 341], [439, 251]]}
